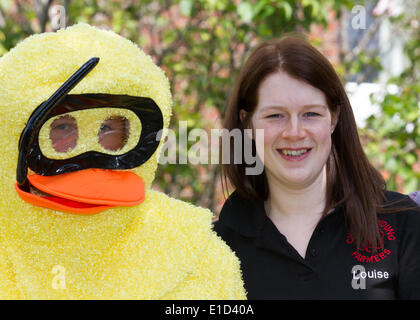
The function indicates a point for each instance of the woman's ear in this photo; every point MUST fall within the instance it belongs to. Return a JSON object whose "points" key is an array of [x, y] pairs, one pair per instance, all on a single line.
{"points": [[246, 123], [334, 119], [243, 116]]}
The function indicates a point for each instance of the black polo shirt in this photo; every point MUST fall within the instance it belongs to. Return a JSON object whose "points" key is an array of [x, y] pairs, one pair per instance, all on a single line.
{"points": [[332, 267]]}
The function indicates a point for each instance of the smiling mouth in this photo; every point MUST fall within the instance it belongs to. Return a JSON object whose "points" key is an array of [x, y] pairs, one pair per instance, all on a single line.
{"points": [[294, 154]]}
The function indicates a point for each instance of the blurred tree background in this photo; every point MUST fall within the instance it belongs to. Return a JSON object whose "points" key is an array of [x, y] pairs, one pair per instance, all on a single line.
{"points": [[201, 45], [393, 137]]}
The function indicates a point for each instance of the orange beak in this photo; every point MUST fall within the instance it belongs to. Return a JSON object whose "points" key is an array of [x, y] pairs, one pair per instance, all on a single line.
{"points": [[87, 191]]}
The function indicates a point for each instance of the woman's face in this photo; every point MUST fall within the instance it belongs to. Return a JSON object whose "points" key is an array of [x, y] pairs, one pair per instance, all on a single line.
{"points": [[297, 130]]}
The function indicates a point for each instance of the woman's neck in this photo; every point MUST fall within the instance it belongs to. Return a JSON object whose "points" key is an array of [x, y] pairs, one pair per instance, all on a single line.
{"points": [[287, 202]]}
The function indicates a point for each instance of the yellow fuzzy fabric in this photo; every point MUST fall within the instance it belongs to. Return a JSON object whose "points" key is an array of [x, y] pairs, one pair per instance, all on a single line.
{"points": [[161, 249]]}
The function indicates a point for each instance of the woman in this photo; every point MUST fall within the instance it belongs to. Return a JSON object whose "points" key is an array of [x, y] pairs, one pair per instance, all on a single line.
{"points": [[318, 223]]}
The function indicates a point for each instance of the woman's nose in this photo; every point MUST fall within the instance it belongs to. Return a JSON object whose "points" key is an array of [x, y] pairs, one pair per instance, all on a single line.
{"points": [[293, 129]]}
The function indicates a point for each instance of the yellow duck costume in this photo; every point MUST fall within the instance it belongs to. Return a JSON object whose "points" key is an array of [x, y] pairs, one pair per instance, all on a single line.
{"points": [[78, 219]]}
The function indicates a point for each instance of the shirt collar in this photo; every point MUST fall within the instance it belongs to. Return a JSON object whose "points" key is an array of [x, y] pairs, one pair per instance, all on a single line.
{"points": [[243, 215], [247, 217]]}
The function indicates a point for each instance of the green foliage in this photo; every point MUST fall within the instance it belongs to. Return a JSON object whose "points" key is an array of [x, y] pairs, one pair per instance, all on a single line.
{"points": [[394, 135]]}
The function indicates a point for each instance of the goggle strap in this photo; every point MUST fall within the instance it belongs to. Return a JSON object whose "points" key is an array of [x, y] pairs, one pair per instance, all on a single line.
{"points": [[39, 115]]}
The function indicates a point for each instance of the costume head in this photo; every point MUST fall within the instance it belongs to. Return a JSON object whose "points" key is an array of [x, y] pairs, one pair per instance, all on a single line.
{"points": [[95, 242], [83, 120], [80, 112]]}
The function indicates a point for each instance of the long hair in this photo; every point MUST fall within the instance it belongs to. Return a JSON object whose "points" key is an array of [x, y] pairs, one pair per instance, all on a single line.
{"points": [[351, 180]]}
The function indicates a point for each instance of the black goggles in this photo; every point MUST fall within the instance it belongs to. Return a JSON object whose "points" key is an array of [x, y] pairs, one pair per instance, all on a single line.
{"points": [[60, 102]]}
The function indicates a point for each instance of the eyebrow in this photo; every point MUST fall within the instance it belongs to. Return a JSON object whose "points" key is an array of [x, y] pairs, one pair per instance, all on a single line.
{"points": [[306, 106]]}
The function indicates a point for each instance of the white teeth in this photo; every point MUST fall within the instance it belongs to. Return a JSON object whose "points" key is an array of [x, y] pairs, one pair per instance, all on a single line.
{"points": [[294, 152]]}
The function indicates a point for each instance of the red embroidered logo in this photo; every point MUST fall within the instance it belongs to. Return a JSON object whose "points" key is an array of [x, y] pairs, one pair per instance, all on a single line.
{"points": [[364, 254]]}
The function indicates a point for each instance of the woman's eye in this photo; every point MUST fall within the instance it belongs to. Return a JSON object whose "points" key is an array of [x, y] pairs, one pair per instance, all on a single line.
{"points": [[312, 114], [274, 116]]}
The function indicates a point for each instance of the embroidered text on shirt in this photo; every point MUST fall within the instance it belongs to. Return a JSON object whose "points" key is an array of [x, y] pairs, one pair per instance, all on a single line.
{"points": [[364, 254]]}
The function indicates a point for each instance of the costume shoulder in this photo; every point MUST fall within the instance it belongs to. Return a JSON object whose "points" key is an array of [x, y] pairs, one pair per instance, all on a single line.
{"points": [[216, 273], [8, 287], [183, 216]]}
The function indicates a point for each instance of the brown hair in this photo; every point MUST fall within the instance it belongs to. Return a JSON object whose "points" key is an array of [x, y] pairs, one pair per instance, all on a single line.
{"points": [[351, 180]]}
